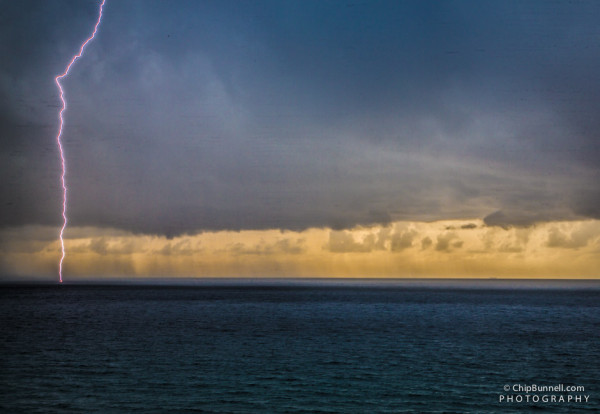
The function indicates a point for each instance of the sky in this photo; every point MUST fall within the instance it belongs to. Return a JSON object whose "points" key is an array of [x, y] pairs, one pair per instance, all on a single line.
{"points": [[302, 139]]}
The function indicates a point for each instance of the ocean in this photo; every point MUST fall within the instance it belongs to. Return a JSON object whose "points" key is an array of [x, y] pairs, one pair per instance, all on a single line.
{"points": [[308, 347]]}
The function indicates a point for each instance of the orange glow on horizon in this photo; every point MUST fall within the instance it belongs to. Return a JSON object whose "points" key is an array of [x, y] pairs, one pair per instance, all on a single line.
{"points": [[450, 248]]}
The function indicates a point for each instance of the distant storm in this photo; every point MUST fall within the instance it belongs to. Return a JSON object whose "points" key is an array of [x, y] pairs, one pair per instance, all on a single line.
{"points": [[218, 117]]}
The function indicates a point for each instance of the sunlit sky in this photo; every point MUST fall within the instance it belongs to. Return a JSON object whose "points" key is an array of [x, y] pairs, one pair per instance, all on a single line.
{"points": [[303, 139]]}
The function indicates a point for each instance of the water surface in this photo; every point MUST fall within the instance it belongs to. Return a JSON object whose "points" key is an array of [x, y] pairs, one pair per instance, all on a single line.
{"points": [[294, 347]]}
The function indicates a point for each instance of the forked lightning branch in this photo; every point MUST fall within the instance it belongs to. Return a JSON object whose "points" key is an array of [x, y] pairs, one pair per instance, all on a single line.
{"points": [[59, 139]]}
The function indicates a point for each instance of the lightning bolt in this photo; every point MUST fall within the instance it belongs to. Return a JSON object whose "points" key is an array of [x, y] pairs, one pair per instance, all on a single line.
{"points": [[59, 135]]}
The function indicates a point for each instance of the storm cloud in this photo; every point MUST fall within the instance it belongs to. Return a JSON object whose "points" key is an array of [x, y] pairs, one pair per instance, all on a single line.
{"points": [[227, 115]]}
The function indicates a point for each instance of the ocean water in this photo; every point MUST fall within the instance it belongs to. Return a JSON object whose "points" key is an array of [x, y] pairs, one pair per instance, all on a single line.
{"points": [[304, 348]]}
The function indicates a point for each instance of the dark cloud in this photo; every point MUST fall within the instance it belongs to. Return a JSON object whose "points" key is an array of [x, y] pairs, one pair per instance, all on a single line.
{"points": [[520, 219], [426, 242], [185, 116], [446, 242], [587, 203], [402, 240], [526, 217]]}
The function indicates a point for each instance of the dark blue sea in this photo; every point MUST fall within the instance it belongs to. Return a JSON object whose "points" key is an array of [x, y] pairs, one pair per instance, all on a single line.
{"points": [[299, 348]]}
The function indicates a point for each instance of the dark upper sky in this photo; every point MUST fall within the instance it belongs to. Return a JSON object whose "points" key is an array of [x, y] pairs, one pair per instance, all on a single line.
{"points": [[192, 115]]}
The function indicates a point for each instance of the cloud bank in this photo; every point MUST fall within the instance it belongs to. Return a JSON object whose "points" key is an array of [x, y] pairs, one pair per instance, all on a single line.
{"points": [[564, 249]]}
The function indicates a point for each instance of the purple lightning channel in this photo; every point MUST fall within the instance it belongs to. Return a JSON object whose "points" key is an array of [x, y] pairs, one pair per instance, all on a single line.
{"points": [[59, 141]]}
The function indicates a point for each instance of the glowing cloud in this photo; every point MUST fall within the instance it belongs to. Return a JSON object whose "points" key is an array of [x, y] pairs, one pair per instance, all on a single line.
{"points": [[441, 249]]}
